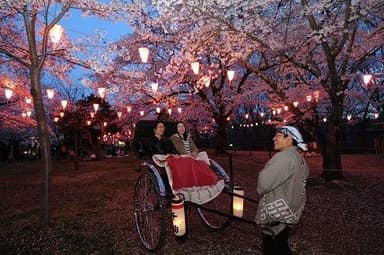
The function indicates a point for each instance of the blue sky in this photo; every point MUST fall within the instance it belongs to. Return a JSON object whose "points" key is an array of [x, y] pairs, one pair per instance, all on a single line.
{"points": [[75, 25]]}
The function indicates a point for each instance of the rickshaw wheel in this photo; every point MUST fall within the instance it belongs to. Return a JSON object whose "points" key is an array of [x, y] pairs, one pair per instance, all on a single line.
{"points": [[221, 203], [149, 212]]}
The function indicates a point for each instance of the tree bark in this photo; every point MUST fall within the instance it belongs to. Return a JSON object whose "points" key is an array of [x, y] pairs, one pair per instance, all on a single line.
{"points": [[45, 148], [221, 136], [76, 151], [332, 165]]}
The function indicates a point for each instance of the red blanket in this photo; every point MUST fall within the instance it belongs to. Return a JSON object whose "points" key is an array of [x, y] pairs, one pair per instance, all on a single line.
{"points": [[189, 172]]}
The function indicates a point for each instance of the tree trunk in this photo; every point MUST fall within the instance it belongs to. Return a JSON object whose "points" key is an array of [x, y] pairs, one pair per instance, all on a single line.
{"points": [[76, 151], [221, 137], [332, 166], [45, 148]]}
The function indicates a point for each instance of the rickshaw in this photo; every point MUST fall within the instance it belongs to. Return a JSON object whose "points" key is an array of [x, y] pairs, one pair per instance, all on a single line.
{"points": [[152, 199]]}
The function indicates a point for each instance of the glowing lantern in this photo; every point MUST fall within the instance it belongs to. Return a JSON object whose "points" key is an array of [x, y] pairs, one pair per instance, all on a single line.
{"points": [[324, 119], [269, 120], [96, 107], [50, 93], [55, 33], [144, 53], [8, 93], [285, 108], [119, 114], [141, 113], [274, 112], [316, 95], [56, 119], [101, 92], [28, 100], [228, 118], [61, 114], [309, 98], [295, 104], [92, 114], [367, 79], [207, 81], [230, 75], [349, 117], [285, 121], [129, 109], [64, 104], [376, 115], [158, 110], [195, 67], [178, 216], [278, 110], [29, 113], [247, 116], [88, 122], [256, 124], [251, 124], [179, 110], [238, 202], [105, 124], [24, 115], [169, 111], [154, 86], [262, 114]]}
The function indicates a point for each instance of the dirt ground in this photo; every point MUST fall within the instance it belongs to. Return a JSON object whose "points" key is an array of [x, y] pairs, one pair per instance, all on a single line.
{"points": [[92, 210]]}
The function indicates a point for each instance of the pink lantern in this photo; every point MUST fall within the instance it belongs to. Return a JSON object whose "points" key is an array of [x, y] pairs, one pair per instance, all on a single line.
{"points": [[50, 93], [195, 67], [144, 53], [278, 110], [230, 75]]}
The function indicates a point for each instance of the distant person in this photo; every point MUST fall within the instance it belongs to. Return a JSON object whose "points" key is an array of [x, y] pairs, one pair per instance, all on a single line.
{"points": [[281, 186], [158, 144], [182, 141]]}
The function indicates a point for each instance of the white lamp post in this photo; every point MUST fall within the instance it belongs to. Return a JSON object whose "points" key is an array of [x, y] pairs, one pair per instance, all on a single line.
{"points": [[238, 202], [144, 53]]}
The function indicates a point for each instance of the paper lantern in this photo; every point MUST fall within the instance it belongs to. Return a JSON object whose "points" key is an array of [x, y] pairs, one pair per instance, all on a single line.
{"points": [[28, 100], [285, 108], [195, 67], [178, 217], [96, 107], [50, 93], [238, 202], [29, 113], [105, 124], [61, 114], [247, 116], [144, 53], [179, 110], [88, 122], [309, 98], [262, 114], [349, 117], [101, 92], [295, 104], [55, 33], [158, 110], [92, 114], [119, 114], [8, 93], [142, 113], [64, 103], [154, 86], [129, 109], [56, 119], [230, 75], [367, 79]]}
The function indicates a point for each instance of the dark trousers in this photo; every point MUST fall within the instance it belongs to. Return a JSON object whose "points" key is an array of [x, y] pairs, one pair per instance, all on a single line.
{"points": [[276, 245]]}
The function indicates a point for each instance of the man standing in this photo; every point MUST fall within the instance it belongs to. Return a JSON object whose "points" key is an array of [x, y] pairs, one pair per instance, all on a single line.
{"points": [[281, 186]]}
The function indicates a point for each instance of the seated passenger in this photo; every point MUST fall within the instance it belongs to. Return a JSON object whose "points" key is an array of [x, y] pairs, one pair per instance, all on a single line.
{"points": [[158, 144], [183, 142]]}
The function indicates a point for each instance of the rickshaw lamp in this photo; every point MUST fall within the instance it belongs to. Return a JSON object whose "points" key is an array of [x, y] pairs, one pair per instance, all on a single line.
{"points": [[238, 202], [96, 107], [101, 92], [178, 217], [158, 110], [195, 67], [295, 104], [230, 75], [64, 104], [50, 93], [144, 53], [55, 33], [8, 93]]}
